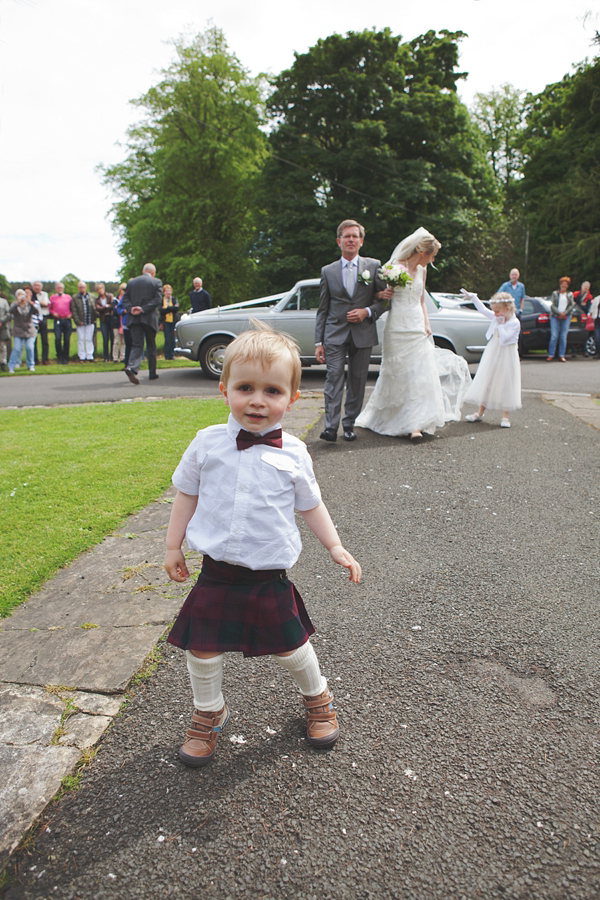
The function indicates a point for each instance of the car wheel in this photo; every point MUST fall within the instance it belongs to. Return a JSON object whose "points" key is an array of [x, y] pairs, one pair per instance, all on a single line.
{"points": [[211, 356], [589, 347]]}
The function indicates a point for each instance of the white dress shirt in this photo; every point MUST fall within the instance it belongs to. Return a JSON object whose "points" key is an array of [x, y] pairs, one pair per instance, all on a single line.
{"points": [[246, 498]]}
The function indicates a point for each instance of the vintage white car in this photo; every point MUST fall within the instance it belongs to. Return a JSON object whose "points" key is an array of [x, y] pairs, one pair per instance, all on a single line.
{"points": [[203, 336]]}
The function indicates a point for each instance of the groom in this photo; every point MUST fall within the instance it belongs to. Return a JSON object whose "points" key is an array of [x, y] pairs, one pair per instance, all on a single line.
{"points": [[352, 299]]}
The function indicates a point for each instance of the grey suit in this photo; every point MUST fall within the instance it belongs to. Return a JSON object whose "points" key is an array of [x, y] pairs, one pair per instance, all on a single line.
{"points": [[347, 340], [144, 291]]}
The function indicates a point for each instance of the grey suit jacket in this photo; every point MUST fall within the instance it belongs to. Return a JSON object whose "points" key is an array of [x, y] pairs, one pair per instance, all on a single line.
{"points": [[332, 325], [144, 291]]}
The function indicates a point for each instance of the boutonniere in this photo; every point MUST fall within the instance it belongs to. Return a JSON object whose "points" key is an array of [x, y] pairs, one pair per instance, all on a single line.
{"points": [[365, 277]]}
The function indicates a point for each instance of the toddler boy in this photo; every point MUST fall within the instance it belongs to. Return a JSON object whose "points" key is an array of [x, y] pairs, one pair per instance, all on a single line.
{"points": [[237, 487]]}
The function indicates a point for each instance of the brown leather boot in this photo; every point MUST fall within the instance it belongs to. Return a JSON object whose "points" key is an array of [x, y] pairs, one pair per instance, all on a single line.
{"points": [[321, 722], [201, 740]]}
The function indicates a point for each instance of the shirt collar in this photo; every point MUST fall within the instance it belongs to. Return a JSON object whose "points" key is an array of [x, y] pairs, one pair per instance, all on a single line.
{"points": [[349, 262]]}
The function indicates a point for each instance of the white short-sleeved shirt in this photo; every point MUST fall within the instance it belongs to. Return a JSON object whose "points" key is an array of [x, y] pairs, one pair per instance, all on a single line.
{"points": [[246, 498]]}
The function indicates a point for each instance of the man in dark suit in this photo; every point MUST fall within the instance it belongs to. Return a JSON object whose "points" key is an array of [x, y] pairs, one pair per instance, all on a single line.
{"points": [[352, 299], [142, 300], [199, 298]]}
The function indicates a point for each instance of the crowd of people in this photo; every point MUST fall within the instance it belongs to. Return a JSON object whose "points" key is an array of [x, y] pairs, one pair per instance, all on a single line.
{"points": [[97, 318]]}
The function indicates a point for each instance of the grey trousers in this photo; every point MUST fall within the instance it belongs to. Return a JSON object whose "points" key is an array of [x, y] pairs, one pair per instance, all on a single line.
{"points": [[138, 333], [358, 368]]}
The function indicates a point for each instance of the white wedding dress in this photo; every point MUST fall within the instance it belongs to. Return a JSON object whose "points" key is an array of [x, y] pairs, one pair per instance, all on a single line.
{"points": [[420, 386]]}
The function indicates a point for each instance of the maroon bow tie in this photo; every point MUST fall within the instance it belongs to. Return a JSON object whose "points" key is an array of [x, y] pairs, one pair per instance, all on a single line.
{"points": [[246, 439]]}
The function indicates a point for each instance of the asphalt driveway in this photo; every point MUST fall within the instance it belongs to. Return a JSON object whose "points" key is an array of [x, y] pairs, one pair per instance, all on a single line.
{"points": [[465, 668]]}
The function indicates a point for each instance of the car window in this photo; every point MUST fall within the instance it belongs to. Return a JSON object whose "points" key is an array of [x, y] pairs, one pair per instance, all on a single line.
{"points": [[310, 296], [292, 304], [528, 306]]}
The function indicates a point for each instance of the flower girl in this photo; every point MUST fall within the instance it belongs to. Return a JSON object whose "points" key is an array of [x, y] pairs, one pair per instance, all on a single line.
{"points": [[497, 383]]}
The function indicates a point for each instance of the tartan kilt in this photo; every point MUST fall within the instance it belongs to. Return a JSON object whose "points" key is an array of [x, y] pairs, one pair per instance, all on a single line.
{"points": [[232, 608]]}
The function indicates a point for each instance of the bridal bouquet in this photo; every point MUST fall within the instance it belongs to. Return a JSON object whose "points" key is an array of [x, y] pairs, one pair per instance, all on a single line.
{"points": [[395, 274]]}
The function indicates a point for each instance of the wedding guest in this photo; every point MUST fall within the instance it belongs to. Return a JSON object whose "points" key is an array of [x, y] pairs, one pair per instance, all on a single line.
{"points": [[420, 387], [515, 288], [583, 297], [116, 322], [199, 298], [60, 310], [125, 323], [560, 317], [104, 313], [497, 382], [583, 300], [237, 488], [142, 300], [84, 314], [30, 295], [4, 332], [595, 314], [168, 317], [23, 311], [44, 303]]}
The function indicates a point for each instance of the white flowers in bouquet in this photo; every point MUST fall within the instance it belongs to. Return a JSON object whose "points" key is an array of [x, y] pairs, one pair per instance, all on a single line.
{"points": [[395, 274]]}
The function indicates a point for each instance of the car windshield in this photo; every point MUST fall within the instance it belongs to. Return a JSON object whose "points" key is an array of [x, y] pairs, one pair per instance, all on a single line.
{"points": [[303, 297]]}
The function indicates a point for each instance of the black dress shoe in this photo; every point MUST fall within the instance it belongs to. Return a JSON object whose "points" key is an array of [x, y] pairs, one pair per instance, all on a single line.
{"points": [[132, 376], [349, 434], [152, 377], [329, 435]]}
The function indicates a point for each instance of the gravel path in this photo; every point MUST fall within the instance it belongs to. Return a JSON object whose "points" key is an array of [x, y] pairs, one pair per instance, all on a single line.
{"points": [[465, 668]]}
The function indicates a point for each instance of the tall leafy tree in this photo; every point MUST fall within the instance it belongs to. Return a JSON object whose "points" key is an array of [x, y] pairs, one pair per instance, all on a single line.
{"points": [[561, 179], [186, 188], [500, 115], [369, 127]]}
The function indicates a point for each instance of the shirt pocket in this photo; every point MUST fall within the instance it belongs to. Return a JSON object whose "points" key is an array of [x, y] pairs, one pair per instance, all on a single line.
{"points": [[277, 471]]}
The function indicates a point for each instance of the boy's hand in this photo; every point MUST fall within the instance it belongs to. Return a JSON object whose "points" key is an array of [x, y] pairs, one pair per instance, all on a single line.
{"points": [[175, 565], [343, 558]]}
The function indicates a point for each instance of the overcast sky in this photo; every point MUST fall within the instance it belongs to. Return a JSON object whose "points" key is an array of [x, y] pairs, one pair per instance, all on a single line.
{"points": [[68, 69]]}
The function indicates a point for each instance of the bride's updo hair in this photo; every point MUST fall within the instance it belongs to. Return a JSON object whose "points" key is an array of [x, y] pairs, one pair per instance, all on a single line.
{"points": [[420, 241], [427, 245]]}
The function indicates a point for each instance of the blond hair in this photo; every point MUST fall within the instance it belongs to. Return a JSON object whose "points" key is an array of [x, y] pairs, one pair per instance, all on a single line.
{"points": [[503, 299], [265, 346]]}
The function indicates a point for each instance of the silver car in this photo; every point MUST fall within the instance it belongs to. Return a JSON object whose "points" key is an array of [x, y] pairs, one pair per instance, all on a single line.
{"points": [[203, 336]]}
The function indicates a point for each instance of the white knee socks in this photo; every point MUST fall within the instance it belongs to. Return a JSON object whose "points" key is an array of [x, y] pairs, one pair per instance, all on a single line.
{"points": [[303, 666], [206, 676]]}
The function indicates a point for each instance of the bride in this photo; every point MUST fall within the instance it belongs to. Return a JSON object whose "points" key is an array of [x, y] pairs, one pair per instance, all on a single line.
{"points": [[420, 386]]}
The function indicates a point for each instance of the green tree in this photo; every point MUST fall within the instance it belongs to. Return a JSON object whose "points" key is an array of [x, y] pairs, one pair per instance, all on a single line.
{"points": [[4, 285], [368, 127], [561, 179], [500, 115], [71, 283], [186, 189]]}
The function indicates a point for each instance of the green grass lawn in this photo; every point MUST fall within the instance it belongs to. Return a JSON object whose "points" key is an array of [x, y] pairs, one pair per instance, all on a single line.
{"points": [[71, 475]]}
